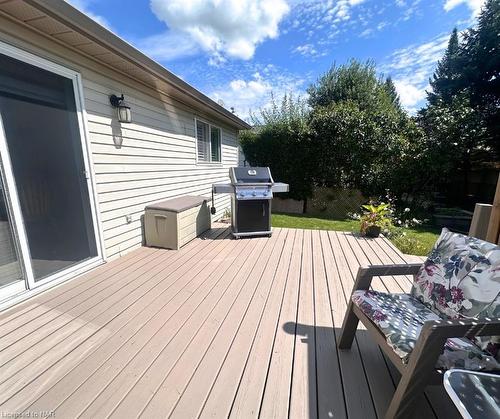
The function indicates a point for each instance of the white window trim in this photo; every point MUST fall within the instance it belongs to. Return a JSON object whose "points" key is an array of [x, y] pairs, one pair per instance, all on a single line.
{"points": [[210, 126]]}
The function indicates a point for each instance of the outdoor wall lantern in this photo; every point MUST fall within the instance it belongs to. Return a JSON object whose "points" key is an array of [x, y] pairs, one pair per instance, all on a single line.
{"points": [[124, 114]]}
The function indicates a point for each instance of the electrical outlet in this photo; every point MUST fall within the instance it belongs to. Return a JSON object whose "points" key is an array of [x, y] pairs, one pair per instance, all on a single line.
{"points": [[128, 218]]}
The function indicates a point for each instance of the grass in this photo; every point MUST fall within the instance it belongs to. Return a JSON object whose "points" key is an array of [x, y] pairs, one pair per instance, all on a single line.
{"points": [[414, 241], [313, 223]]}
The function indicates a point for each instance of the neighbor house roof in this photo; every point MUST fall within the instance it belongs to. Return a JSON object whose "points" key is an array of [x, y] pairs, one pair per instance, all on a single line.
{"points": [[67, 25]]}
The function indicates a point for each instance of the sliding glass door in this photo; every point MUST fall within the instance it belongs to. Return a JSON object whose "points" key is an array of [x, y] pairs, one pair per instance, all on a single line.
{"points": [[42, 157]]}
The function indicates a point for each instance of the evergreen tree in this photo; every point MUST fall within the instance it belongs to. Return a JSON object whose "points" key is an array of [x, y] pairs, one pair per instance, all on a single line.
{"points": [[390, 88], [463, 114], [482, 72], [446, 81], [482, 51]]}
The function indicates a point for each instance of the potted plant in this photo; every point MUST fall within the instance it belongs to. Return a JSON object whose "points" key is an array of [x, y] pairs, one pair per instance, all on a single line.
{"points": [[374, 218]]}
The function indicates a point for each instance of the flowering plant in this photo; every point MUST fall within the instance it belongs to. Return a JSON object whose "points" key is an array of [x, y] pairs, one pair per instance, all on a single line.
{"points": [[375, 216]]}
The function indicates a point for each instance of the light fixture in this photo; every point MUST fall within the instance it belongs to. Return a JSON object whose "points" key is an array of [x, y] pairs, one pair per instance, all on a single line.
{"points": [[124, 114]]}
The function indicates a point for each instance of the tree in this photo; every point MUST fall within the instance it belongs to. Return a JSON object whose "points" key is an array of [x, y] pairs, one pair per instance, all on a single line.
{"points": [[287, 112], [391, 91], [453, 133], [447, 81], [280, 139], [357, 82], [358, 127], [462, 118], [481, 72], [369, 151]]}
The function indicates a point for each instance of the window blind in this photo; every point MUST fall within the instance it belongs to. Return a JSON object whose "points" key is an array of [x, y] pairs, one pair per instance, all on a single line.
{"points": [[202, 140]]}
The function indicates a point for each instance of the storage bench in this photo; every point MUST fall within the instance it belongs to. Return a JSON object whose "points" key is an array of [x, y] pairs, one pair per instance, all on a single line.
{"points": [[173, 223]]}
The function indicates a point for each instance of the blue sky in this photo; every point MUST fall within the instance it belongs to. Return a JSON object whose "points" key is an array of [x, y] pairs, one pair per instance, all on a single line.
{"points": [[239, 51]]}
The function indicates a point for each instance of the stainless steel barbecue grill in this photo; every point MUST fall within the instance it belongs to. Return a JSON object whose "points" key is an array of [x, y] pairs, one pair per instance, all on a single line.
{"points": [[251, 190]]}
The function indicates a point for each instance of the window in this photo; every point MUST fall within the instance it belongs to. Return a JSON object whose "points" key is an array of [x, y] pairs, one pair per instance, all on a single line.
{"points": [[208, 139], [215, 143]]}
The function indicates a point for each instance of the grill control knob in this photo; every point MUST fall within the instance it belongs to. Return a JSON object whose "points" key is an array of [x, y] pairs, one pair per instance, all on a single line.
{"points": [[254, 193]]}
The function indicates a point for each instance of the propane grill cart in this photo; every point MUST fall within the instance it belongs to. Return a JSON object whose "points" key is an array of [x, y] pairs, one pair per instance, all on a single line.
{"points": [[251, 190]]}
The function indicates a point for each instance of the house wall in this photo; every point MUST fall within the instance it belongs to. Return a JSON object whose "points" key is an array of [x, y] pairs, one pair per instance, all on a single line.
{"points": [[156, 159]]}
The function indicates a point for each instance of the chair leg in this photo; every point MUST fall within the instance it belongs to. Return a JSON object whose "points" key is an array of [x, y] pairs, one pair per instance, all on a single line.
{"points": [[348, 328], [410, 388]]}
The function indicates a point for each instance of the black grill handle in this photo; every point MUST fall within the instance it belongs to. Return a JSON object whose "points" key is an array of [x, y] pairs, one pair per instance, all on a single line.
{"points": [[213, 210]]}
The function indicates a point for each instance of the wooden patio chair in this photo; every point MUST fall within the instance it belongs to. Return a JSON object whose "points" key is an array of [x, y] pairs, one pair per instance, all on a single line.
{"points": [[451, 318]]}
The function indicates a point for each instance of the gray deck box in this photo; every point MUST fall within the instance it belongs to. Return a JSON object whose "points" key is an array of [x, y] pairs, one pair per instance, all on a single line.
{"points": [[173, 223]]}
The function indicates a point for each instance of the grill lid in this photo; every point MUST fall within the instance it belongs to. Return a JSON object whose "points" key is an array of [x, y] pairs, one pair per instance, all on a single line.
{"points": [[250, 183], [249, 175]]}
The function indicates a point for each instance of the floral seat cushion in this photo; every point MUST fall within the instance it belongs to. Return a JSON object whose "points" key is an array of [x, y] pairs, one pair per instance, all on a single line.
{"points": [[461, 279], [400, 317]]}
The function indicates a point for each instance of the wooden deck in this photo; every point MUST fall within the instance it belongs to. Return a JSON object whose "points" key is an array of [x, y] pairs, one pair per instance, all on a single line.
{"points": [[221, 328]]}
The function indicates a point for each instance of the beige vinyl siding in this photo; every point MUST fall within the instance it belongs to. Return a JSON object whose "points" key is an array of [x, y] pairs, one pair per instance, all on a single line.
{"points": [[157, 159]]}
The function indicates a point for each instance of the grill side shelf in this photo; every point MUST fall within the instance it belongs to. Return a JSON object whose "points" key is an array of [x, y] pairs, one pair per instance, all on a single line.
{"points": [[222, 188], [280, 187]]}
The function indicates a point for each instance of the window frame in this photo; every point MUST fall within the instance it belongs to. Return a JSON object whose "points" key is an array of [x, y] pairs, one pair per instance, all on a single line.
{"points": [[210, 126]]}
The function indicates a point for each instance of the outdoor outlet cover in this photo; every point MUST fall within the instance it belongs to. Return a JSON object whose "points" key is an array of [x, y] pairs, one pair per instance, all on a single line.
{"points": [[128, 218]]}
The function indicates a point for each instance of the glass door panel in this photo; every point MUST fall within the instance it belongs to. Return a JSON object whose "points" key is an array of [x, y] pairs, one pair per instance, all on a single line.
{"points": [[43, 141]]}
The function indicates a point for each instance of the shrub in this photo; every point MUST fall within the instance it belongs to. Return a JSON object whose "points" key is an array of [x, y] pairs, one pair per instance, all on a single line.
{"points": [[281, 141], [408, 244]]}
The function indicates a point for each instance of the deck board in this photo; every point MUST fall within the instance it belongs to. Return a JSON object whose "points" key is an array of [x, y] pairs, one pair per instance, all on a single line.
{"points": [[221, 328]]}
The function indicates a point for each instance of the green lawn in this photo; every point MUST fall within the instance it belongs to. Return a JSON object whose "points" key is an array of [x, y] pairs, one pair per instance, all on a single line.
{"points": [[415, 241]]}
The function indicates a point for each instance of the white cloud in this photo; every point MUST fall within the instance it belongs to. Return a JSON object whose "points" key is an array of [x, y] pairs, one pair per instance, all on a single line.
{"points": [[419, 56], [253, 93], [323, 22], [84, 7], [167, 46], [366, 33], [342, 9], [223, 27], [308, 50], [410, 95], [473, 5], [411, 68]]}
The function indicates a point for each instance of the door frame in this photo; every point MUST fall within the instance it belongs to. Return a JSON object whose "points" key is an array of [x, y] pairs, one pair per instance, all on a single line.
{"points": [[75, 77]]}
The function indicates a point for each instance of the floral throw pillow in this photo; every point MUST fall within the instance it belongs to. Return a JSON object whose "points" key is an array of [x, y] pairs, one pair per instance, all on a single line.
{"points": [[461, 279]]}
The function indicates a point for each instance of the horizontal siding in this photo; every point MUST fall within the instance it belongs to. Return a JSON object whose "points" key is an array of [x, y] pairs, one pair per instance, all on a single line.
{"points": [[157, 158], [149, 160]]}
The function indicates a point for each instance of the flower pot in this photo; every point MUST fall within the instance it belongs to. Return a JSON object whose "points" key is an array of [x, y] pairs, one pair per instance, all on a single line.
{"points": [[373, 231]]}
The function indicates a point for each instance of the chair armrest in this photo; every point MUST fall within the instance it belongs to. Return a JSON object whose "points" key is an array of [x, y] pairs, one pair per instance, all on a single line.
{"points": [[429, 346], [434, 334], [366, 273], [460, 328]]}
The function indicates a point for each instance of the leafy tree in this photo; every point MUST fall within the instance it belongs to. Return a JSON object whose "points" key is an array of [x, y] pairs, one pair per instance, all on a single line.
{"points": [[358, 128], [280, 139], [454, 131], [287, 112], [357, 82], [372, 152]]}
